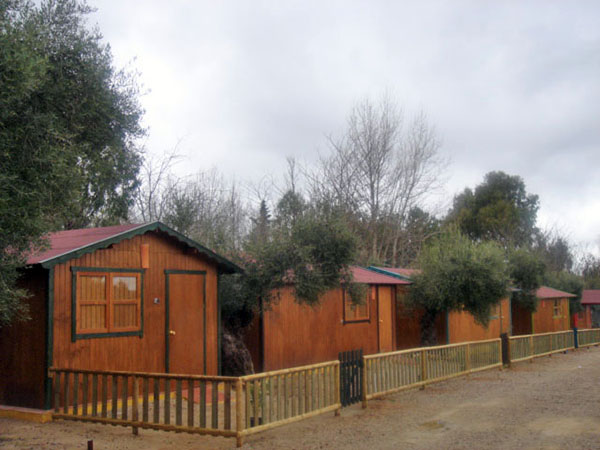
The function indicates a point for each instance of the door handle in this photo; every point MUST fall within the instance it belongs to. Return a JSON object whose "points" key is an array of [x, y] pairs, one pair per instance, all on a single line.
{"points": [[172, 332]]}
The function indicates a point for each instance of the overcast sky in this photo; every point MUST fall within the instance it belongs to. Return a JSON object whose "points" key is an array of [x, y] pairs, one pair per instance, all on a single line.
{"points": [[512, 86]]}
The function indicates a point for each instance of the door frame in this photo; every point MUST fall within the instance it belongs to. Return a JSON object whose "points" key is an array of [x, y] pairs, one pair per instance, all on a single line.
{"points": [[167, 312]]}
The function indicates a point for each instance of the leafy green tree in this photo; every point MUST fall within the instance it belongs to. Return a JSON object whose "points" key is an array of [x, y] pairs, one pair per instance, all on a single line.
{"points": [[313, 257], [290, 207], [457, 274], [68, 126], [499, 209], [527, 272]]}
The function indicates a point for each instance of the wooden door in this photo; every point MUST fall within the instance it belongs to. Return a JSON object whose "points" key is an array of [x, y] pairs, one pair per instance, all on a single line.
{"points": [[384, 314], [186, 331]]}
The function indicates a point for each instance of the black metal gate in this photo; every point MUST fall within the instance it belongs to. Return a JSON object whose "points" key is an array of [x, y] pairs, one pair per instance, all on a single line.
{"points": [[351, 363]]}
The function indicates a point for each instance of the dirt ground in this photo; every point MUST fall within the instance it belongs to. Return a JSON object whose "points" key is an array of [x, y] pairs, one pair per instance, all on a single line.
{"points": [[552, 403]]}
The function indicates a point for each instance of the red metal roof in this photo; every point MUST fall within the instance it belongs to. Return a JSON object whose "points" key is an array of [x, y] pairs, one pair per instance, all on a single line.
{"points": [[547, 292], [62, 242], [590, 297], [362, 275]]}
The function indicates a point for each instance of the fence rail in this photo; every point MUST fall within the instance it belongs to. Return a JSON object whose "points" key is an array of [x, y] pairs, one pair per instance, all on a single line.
{"points": [[240, 406], [395, 371], [284, 396], [588, 337], [531, 346], [218, 406], [188, 403]]}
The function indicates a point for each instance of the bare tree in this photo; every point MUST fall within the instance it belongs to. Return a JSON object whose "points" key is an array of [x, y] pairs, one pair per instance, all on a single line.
{"points": [[156, 178], [377, 170]]}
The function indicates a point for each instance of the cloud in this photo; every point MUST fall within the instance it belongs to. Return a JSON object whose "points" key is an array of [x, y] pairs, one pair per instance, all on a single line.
{"points": [[509, 85]]}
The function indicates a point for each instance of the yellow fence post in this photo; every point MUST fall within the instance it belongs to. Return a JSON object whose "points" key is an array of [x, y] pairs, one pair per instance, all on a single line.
{"points": [[531, 348], [238, 413], [468, 358], [423, 369], [134, 403], [364, 383], [337, 388]]}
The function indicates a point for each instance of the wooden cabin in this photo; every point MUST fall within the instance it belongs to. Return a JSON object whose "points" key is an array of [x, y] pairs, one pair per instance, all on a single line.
{"points": [[552, 313], [126, 297], [462, 326], [453, 327], [289, 334], [589, 298]]}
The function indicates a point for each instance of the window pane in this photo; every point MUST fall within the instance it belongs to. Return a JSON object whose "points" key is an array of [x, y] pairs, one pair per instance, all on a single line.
{"points": [[93, 317], [124, 288], [353, 311], [125, 315], [92, 288]]}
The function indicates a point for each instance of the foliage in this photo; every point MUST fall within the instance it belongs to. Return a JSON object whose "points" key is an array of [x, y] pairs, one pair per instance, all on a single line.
{"points": [[313, 257], [259, 235], [499, 209], [290, 208], [420, 226], [555, 250], [590, 270], [527, 273], [458, 274], [68, 124]]}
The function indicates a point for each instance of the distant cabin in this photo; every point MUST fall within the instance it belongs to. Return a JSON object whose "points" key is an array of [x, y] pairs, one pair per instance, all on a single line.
{"points": [[452, 327], [289, 334], [126, 297], [586, 317], [552, 313]]}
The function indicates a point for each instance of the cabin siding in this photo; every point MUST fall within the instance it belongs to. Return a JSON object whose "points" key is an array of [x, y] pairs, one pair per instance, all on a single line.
{"points": [[298, 334], [463, 327], [584, 318], [133, 353], [544, 320], [23, 348]]}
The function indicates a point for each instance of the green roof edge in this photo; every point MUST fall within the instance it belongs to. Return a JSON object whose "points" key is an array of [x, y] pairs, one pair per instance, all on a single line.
{"points": [[225, 266], [389, 273]]}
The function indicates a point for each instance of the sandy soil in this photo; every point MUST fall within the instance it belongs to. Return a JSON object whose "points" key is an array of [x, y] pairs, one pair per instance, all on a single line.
{"points": [[550, 404]]}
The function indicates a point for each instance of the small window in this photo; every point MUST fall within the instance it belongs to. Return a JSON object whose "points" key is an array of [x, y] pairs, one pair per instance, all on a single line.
{"points": [[357, 312], [495, 312], [557, 308], [108, 303]]}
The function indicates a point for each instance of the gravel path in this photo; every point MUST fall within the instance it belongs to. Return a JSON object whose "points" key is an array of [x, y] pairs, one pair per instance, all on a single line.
{"points": [[552, 403]]}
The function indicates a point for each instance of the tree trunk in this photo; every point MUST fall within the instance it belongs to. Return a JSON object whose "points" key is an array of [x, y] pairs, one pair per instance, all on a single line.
{"points": [[428, 331], [236, 360]]}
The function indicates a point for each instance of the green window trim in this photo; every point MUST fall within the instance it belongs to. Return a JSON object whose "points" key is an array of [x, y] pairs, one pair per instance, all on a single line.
{"points": [[78, 336]]}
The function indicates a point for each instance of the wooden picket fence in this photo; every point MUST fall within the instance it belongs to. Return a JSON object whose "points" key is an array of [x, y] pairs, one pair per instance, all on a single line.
{"points": [[218, 406], [385, 373], [240, 406], [190, 403], [588, 337], [531, 346], [284, 396]]}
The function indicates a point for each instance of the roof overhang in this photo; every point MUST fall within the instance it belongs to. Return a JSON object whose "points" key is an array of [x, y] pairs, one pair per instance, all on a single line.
{"points": [[223, 264]]}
